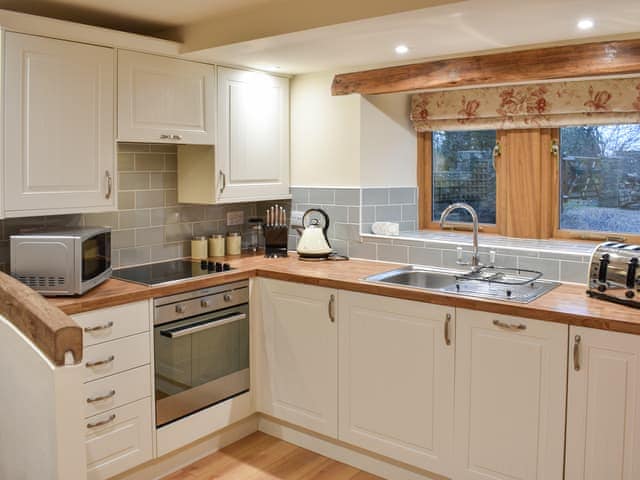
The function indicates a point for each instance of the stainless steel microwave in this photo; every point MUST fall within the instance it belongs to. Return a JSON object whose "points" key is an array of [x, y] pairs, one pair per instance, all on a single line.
{"points": [[62, 262]]}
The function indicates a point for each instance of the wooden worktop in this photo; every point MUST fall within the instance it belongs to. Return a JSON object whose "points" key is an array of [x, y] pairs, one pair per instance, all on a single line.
{"points": [[46, 326], [566, 304]]}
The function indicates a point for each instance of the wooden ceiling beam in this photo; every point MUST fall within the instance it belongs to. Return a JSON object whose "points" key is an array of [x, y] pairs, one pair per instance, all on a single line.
{"points": [[571, 61]]}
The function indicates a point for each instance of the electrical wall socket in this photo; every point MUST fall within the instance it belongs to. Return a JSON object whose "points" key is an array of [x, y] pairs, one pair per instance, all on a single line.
{"points": [[296, 218], [235, 218]]}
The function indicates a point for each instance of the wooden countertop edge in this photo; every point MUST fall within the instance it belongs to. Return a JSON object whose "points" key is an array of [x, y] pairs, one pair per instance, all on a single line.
{"points": [[50, 329], [515, 309], [547, 308]]}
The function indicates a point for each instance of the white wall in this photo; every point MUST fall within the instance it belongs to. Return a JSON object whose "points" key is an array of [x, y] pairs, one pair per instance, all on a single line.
{"points": [[325, 134], [349, 141], [388, 145]]}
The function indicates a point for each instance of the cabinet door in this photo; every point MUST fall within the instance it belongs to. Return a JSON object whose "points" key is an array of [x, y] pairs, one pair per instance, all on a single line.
{"points": [[396, 379], [297, 355], [603, 417], [59, 110], [510, 391], [252, 152], [165, 100]]}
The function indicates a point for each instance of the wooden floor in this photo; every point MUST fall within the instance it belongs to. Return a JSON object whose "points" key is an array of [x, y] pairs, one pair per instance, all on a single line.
{"points": [[260, 456]]}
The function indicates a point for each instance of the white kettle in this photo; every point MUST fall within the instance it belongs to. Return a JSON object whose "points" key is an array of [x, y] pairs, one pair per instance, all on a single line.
{"points": [[313, 243]]}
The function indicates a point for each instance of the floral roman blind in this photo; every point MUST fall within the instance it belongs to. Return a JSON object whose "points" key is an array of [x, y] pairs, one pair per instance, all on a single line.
{"points": [[529, 106]]}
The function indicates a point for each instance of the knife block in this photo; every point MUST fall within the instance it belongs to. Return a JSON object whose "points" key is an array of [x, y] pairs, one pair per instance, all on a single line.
{"points": [[275, 240]]}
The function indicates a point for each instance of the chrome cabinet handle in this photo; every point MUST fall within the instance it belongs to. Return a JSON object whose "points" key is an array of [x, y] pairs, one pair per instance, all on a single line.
{"points": [[510, 326], [100, 398], [166, 136], [576, 352], [98, 363], [109, 184], [332, 301], [97, 328], [100, 423], [447, 323], [223, 181]]}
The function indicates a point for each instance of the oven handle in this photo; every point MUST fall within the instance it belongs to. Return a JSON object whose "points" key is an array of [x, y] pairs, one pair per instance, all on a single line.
{"points": [[217, 322]]}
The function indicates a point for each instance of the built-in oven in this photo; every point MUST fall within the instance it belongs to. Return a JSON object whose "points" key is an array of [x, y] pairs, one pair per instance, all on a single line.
{"points": [[201, 347]]}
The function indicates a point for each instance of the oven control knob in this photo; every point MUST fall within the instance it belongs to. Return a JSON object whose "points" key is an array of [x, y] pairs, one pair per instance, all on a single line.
{"points": [[630, 294], [180, 308], [205, 303], [227, 297]]}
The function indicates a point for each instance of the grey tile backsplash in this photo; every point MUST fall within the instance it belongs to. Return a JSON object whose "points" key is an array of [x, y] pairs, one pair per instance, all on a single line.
{"points": [[149, 225], [353, 211]]}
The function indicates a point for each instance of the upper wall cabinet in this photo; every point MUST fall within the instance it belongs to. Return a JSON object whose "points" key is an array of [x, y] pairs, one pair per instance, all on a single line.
{"points": [[165, 100], [58, 127], [252, 150]]}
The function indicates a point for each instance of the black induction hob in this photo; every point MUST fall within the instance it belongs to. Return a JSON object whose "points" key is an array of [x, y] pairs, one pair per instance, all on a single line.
{"points": [[172, 271]]}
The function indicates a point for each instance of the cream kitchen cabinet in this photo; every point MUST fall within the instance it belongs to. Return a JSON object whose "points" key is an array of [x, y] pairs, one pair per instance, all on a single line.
{"points": [[59, 150], [252, 150], [510, 392], [396, 375], [603, 417], [165, 100], [297, 354]]}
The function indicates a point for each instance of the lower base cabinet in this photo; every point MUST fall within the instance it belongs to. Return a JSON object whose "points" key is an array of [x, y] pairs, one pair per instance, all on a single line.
{"points": [[396, 379], [603, 419], [119, 439], [296, 348], [510, 392]]}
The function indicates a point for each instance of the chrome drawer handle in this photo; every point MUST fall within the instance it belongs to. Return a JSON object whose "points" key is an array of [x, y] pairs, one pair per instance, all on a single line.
{"points": [[576, 352], [100, 398], [164, 136], [447, 323], [510, 326], [97, 363], [100, 423], [97, 328], [176, 137]]}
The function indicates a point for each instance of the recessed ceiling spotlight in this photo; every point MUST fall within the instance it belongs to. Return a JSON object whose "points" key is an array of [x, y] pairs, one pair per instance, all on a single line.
{"points": [[585, 24], [402, 49]]}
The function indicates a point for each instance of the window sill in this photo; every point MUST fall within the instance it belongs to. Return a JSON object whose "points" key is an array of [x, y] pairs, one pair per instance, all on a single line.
{"points": [[488, 241]]}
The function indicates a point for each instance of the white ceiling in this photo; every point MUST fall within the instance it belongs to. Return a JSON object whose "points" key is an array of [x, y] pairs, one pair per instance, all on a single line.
{"points": [[453, 29], [447, 28]]}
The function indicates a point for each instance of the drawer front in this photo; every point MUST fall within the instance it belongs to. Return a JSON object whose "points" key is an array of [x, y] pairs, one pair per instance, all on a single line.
{"points": [[108, 324], [117, 390], [117, 356], [122, 442]]}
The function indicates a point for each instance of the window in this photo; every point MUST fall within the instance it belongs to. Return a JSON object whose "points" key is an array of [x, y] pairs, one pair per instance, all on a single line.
{"points": [[600, 178], [463, 171], [587, 188]]}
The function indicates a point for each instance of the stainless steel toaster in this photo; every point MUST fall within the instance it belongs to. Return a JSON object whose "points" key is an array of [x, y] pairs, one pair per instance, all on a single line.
{"points": [[614, 274]]}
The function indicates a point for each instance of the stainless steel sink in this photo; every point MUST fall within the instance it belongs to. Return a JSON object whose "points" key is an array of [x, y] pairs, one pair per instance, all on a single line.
{"points": [[417, 277], [455, 282]]}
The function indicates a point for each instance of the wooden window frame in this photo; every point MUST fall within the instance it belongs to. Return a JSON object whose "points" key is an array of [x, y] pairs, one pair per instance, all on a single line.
{"points": [[425, 191], [527, 189]]}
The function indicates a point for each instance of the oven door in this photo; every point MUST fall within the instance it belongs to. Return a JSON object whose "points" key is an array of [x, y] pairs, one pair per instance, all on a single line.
{"points": [[200, 361]]}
